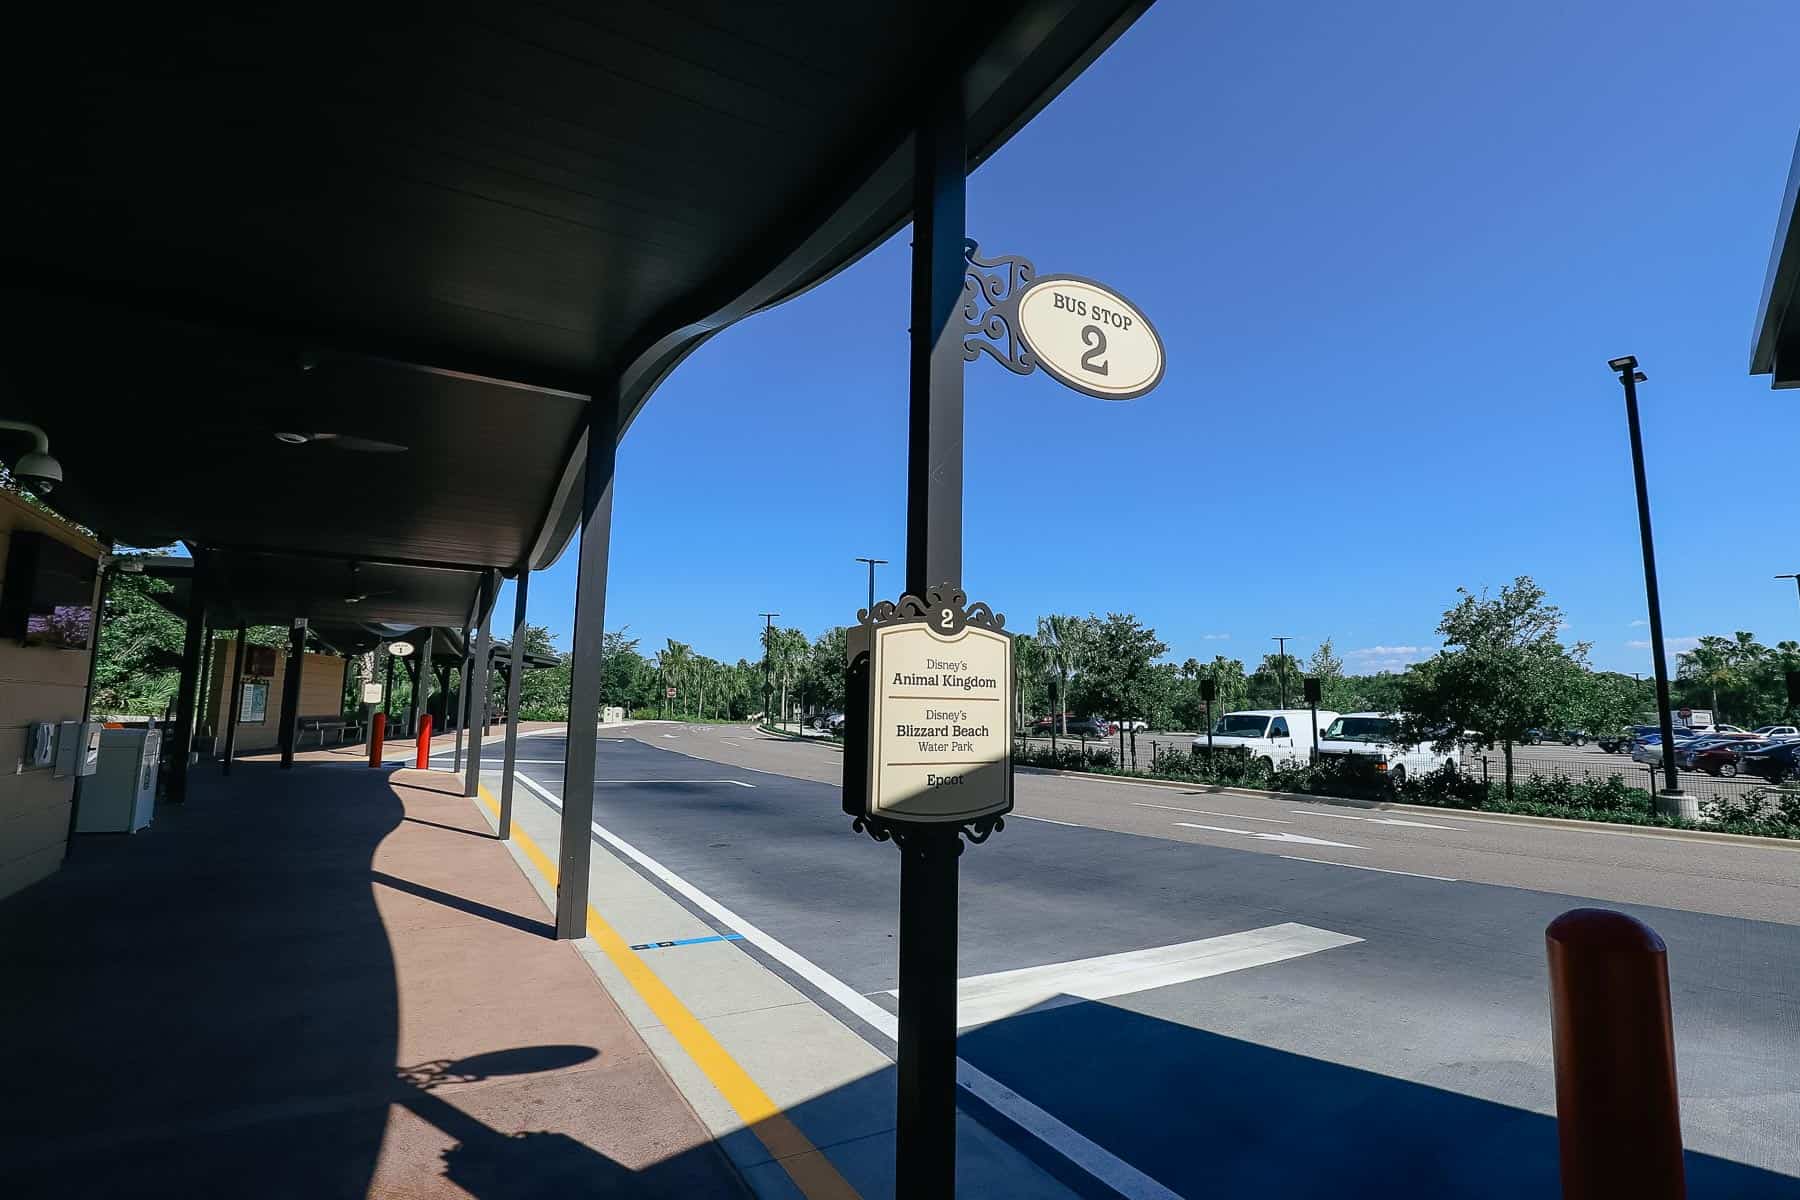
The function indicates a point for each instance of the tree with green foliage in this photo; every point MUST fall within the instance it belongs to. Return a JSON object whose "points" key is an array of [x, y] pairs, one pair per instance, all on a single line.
{"points": [[1233, 685], [1116, 681], [138, 655], [1030, 670], [1064, 641], [1336, 692], [822, 675], [1276, 681], [1501, 673]]}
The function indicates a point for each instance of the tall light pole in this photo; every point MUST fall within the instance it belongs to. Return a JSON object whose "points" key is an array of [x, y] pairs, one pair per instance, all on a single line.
{"points": [[1630, 377], [873, 563], [1281, 666], [768, 645]]}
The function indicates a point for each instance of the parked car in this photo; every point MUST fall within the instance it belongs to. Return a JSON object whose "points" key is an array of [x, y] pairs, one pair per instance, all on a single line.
{"points": [[1090, 727], [1043, 725], [1687, 755], [834, 722], [1370, 737], [1273, 737], [1128, 724], [1783, 733], [1568, 737], [1718, 758], [1774, 761], [1649, 751], [1620, 742]]}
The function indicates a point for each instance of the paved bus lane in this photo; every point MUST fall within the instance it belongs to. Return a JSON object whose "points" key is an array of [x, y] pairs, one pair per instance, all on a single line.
{"points": [[1188, 1005]]}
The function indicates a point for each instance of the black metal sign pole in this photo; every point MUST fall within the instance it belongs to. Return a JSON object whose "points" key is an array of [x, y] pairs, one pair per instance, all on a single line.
{"points": [[926, 1131]]}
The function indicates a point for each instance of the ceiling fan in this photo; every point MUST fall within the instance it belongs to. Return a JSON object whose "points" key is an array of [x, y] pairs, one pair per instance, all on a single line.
{"points": [[355, 595], [343, 441]]}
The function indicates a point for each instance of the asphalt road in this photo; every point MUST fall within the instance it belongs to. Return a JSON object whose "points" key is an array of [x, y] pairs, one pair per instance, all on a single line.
{"points": [[1405, 1050]]}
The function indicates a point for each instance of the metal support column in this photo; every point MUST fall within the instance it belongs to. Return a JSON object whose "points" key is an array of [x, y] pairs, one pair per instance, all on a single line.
{"points": [[411, 667], [290, 691], [387, 686], [521, 584], [423, 689], [462, 695], [584, 664], [926, 1072], [234, 710], [478, 678], [108, 571], [204, 692], [189, 687]]}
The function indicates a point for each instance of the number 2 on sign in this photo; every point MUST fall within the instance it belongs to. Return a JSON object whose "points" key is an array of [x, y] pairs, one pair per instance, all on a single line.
{"points": [[1090, 360], [945, 617]]}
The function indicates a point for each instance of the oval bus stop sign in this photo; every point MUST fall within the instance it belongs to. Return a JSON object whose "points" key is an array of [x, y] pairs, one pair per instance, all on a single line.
{"points": [[1090, 337]]}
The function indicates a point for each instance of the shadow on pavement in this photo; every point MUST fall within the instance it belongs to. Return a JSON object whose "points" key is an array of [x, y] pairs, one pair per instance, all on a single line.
{"points": [[1208, 1115], [210, 1008]]}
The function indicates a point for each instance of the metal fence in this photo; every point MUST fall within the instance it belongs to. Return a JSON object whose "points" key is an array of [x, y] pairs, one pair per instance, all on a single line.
{"points": [[1492, 766], [1143, 754]]}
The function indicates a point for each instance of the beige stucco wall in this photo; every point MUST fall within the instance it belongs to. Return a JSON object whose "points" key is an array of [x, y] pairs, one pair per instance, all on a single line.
{"points": [[36, 684], [321, 695]]}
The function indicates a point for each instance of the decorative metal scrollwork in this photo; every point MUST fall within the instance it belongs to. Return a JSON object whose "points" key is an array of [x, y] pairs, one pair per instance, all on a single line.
{"points": [[945, 598], [913, 838], [992, 288]]}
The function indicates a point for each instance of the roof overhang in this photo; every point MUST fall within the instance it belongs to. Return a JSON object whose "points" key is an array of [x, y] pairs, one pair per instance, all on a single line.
{"points": [[1776, 349], [446, 231]]}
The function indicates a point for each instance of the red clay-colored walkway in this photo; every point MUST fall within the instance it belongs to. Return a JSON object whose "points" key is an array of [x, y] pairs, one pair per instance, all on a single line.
{"points": [[323, 982]]}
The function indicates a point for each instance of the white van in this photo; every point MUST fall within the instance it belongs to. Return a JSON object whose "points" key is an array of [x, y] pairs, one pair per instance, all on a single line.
{"points": [[1370, 736], [1276, 737]]}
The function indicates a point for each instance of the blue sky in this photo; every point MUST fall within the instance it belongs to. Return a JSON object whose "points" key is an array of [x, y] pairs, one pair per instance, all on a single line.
{"points": [[1390, 249]]}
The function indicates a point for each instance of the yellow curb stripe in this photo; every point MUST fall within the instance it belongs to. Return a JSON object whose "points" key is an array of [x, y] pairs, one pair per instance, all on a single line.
{"points": [[805, 1164]]}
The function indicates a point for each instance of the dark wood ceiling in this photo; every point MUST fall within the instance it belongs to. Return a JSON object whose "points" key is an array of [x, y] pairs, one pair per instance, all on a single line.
{"points": [[443, 227]]}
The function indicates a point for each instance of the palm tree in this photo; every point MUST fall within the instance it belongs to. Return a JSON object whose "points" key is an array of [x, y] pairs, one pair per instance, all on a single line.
{"points": [[1711, 665], [1063, 639], [675, 660], [1028, 663], [791, 649]]}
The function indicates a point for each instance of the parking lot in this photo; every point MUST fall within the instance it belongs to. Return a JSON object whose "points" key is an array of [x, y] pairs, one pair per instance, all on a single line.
{"points": [[1546, 759]]}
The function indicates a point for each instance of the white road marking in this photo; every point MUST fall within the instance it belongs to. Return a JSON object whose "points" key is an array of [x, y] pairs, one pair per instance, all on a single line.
{"points": [[1270, 837], [1359, 867], [1097, 1161], [1306, 812], [1207, 812], [502, 762], [671, 736], [1045, 820], [732, 782], [984, 998]]}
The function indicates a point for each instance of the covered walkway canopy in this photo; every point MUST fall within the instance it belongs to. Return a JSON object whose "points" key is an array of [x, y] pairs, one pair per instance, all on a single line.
{"points": [[419, 245], [1775, 349], [357, 302]]}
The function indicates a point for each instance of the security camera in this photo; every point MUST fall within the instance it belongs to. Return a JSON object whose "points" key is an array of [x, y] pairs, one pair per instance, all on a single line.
{"points": [[37, 470]]}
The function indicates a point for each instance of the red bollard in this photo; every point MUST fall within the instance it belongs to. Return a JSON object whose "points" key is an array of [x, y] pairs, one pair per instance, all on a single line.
{"points": [[1617, 1116], [377, 734], [424, 742]]}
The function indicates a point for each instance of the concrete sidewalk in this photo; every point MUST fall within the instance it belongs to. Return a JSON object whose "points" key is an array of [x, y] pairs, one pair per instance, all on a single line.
{"points": [[803, 1103], [322, 982]]}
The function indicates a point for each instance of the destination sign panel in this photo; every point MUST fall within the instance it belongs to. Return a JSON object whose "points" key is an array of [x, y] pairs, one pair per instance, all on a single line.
{"points": [[940, 731]]}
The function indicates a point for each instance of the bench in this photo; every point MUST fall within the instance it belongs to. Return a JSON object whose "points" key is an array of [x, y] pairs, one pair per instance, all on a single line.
{"points": [[336, 726]]}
